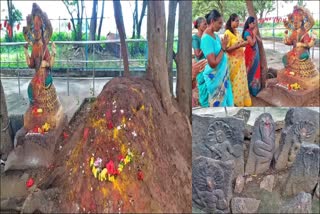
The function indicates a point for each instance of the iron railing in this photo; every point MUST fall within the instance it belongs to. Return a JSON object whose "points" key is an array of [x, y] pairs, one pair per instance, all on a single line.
{"points": [[136, 63]]}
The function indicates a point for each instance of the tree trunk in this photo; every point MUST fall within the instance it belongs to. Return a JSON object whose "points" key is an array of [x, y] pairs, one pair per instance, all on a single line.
{"points": [[263, 58], [93, 21], [157, 66], [135, 19], [101, 20], [10, 21], [170, 40], [6, 143], [80, 19], [143, 11], [184, 58], [122, 35]]}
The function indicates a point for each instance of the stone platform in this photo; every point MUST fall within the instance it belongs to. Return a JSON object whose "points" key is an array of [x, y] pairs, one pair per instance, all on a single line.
{"points": [[277, 93], [305, 82], [34, 149]]}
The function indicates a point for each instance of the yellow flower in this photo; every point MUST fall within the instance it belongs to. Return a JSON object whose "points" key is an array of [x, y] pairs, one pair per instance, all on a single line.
{"points": [[142, 107], [91, 161], [111, 178], [295, 86], [95, 171], [115, 133], [130, 154], [39, 110], [123, 121], [46, 127], [104, 174], [120, 167], [127, 159]]}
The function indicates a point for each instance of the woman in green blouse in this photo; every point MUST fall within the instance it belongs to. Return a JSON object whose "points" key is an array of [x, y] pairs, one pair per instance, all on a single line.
{"points": [[200, 24]]}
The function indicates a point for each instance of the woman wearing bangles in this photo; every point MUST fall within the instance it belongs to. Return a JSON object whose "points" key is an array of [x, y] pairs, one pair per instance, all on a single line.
{"points": [[216, 72], [238, 74], [252, 57], [197, 79]]}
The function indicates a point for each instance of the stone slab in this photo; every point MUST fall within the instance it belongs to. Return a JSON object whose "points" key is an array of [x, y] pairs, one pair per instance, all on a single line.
{"points": [[303, 175], [282, 97], [244, 205]]}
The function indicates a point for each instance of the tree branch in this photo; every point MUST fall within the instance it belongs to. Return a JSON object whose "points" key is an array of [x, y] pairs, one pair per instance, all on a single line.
{"points": [[119, 22], [72, 19]]}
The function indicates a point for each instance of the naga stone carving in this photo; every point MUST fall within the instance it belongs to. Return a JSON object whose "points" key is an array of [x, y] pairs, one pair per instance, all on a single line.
{"points": [[301, 114], [212, 184], [243, 114], [223, 140], [290, 143], [303, 175], [262, 145]]}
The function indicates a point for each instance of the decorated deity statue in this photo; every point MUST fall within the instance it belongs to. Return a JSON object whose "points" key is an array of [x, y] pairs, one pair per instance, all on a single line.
{"points": [[45, 108], [297, 61]]}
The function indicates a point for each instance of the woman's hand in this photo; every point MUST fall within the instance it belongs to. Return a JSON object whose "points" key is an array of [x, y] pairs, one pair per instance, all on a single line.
{"points": [[300, 44], [44, 64], [243, 43], [198, 67], [224, 42], [255, 31]]}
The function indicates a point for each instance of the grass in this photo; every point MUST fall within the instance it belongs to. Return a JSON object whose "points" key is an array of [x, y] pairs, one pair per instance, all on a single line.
{"points": [[13, 57]]}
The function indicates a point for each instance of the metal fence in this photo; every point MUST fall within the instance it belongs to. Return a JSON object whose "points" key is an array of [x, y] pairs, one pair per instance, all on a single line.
{"points": [[80, 58]]}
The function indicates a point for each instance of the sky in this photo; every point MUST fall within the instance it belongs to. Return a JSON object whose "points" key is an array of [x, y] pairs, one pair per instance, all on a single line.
{"points": [[285, 8], [56, 9]]}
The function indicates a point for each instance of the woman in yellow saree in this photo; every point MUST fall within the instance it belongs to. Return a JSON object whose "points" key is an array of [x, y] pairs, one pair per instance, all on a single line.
{"points": [[236, 62]]}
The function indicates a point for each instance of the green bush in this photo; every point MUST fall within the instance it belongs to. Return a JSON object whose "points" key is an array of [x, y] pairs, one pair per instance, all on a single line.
{"points": [[62, 36], [137, 48]]}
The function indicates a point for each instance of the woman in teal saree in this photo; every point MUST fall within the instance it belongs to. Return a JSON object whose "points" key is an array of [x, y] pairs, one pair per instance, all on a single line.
{"points": [[216, 72]]}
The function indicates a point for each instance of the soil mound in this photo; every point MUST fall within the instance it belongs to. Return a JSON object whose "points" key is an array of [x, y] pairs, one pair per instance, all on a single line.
{"points": [[125, 154]]}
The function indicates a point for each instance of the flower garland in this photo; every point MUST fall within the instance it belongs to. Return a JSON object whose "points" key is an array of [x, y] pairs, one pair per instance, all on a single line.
{"points": [[109, 172]]}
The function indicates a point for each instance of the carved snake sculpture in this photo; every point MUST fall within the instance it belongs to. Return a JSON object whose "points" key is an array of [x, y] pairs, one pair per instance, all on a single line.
{"points": [[263, 149]]}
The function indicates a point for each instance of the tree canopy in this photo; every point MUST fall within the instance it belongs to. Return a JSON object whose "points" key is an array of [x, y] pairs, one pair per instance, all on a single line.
{"points": [[226, 8]]}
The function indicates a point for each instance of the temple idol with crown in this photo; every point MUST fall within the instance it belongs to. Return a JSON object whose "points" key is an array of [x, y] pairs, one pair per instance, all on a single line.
{"points": [[298, 82], [44, 118]]}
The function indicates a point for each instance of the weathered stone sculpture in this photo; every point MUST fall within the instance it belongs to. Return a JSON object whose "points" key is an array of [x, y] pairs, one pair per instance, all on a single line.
{"points": [[243, 114], [262, 145], [222, 141], [303, 131], [301, 125], [303, 175], [218, 142], [211, 184]]}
